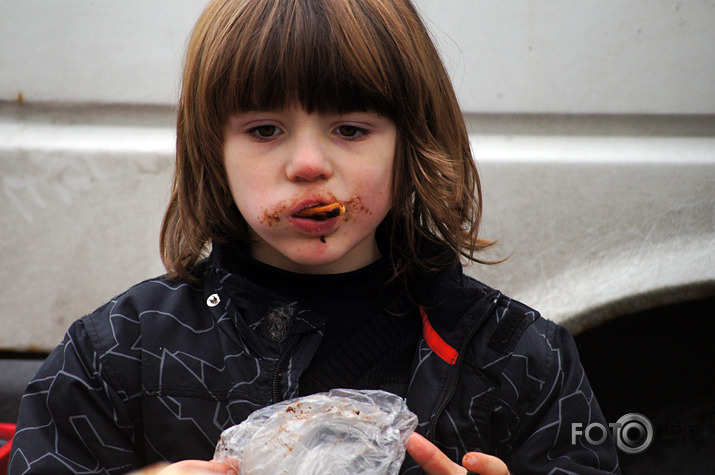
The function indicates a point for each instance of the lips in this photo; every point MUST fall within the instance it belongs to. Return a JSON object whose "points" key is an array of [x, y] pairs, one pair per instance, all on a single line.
{"points": [[317, 218]]}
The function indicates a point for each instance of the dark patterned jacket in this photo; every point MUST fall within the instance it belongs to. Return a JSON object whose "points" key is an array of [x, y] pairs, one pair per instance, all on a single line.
{"points": [[162, 369]]}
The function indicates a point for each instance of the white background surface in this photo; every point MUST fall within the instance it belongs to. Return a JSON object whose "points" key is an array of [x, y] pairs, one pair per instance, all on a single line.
{"points": [[593, 127], [516, 56]]}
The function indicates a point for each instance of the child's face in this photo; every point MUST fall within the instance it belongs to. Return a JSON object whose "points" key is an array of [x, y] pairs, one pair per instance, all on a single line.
{"points": [[282, 162]]}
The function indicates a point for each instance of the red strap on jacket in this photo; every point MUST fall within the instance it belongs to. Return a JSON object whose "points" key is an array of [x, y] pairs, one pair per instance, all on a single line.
{"points": [[438, 345]]}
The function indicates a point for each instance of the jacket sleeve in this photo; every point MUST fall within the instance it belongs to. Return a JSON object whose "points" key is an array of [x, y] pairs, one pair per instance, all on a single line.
{"points": [[555, 395], [71, 419]]}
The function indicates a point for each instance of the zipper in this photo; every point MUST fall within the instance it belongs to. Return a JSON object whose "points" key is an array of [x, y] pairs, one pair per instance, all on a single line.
{"points": [[458, 370], [278, 371]]}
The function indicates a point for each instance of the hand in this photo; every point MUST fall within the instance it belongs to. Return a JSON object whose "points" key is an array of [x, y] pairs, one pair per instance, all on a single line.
{"points": [[197, 467], [434, 462], [187, 467]]}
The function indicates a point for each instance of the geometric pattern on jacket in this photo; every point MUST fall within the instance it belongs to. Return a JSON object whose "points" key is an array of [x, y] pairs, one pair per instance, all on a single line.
{"points": [[161, 370]]}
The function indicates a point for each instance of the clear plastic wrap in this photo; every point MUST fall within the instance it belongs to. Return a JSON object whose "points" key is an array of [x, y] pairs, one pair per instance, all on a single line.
{"points": [[343, 432]]}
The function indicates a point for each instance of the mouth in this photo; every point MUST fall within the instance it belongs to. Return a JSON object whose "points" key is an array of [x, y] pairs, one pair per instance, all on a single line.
{"points": [[321, 212], [317, 219]]}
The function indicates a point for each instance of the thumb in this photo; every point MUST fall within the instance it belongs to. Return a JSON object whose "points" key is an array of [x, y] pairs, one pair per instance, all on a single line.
{"points": [[484, 464]]}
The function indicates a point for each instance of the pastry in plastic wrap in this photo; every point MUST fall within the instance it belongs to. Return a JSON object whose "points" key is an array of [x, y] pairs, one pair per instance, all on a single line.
{"points": [[343, 432]]}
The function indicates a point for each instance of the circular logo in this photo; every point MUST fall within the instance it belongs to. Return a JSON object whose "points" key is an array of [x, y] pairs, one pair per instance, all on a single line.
{"points": [[634, 433]]}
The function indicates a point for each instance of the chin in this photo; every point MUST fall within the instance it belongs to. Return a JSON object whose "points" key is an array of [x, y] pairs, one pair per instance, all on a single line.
{"points": [[322, 263], [333, 255]]}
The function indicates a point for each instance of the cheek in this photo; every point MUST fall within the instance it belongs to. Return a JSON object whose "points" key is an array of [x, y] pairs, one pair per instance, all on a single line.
{"points": [[378, 189], [273, 214], [249, 190], [357, 208], [371, 201]]}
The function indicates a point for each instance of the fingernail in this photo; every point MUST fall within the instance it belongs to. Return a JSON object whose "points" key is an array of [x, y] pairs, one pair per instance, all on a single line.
{"points": [[470, 459]]}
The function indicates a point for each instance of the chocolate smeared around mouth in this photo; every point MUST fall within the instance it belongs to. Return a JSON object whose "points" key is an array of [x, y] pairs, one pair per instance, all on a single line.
{"points": [[322, 212]]}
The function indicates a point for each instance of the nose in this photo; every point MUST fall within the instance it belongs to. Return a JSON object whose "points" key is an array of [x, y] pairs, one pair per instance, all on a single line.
{"points": [[308, 159]]}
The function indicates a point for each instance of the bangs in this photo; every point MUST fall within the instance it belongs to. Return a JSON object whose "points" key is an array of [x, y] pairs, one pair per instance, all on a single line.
{"points": [[327, 55]]}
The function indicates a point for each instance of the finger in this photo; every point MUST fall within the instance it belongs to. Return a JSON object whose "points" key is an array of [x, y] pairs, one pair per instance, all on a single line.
{"points": [[430, 458], [150, 470], [484, 464], [230, 462], [186, 467]]}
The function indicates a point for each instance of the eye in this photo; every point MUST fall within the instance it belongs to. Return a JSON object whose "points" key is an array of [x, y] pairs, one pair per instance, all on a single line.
{"points": [[352, 132], [264, 131]]}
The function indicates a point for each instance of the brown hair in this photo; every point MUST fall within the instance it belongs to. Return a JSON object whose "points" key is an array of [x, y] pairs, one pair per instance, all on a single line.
{"points": [[329, 56]]}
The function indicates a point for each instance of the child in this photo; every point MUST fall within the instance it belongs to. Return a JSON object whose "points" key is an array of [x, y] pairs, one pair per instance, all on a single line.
{"points": [[323, 195]]}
